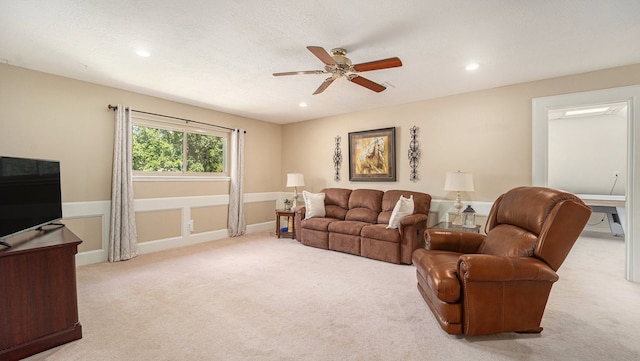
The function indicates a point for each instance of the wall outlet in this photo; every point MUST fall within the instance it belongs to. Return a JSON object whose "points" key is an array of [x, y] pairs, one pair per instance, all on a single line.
{"points": [[616, 173], [191, 225]]}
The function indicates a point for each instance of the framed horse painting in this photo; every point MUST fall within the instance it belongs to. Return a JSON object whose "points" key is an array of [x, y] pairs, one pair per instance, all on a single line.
{"points": [[372, 155]]}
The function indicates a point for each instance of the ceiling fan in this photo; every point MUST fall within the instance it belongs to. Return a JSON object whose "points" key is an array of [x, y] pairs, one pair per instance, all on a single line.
{"points": [[338, 65]]}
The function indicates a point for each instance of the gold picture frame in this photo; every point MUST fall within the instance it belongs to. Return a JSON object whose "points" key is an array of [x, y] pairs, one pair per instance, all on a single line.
{"points": [[372, 155]]}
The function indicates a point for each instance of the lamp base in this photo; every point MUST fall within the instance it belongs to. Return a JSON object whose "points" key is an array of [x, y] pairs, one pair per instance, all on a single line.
{"points": [[295, 197], [457, 206]]}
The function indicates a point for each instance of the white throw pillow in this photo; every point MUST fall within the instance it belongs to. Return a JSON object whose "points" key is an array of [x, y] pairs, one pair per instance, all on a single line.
{"points": [[404, 207], [314, 204]]}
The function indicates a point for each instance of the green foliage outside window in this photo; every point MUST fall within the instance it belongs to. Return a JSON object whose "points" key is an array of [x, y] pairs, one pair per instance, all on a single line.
{"points": [[161, 150], [205, 153]]}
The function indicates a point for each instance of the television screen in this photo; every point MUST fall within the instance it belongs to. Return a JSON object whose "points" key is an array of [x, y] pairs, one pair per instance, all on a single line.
{"points": [[30, 194]]}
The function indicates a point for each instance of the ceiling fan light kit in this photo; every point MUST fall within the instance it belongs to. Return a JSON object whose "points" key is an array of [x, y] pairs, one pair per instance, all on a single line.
{"points": [[339, 66]]}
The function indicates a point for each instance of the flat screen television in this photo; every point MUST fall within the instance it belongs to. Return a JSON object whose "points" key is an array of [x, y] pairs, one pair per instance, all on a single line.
{"points": [[30, 195]]}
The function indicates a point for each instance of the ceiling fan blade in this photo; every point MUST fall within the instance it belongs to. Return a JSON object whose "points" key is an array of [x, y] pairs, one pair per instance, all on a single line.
{"points": [[378, 64], [366, 83], [322, 54], [299, 72], [325, 84]]}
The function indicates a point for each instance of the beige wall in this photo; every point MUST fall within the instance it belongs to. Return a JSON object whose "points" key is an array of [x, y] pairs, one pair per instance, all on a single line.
{"points": [[52, 117], [487, 133]]}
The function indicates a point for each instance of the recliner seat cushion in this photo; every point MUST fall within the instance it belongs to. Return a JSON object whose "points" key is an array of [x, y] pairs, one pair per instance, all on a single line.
{"points": [[347, 227]]}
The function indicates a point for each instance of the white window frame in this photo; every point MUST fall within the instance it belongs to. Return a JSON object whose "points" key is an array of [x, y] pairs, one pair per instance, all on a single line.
{"points": [[179, 126]]}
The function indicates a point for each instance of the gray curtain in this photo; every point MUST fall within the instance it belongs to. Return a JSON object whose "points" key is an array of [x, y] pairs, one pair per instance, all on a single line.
{"points": [[237, 225], [123, 243]]}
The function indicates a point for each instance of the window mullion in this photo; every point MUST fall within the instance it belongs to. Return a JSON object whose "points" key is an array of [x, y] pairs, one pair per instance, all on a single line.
{"points": [[185, 149]]}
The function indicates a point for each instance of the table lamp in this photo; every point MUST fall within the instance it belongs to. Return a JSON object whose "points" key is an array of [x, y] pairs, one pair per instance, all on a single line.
{"points": [[458, 182], [295, 180]]}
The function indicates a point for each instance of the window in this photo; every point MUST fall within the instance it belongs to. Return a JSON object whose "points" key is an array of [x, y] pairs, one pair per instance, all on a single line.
{"points": [[167, 149]]}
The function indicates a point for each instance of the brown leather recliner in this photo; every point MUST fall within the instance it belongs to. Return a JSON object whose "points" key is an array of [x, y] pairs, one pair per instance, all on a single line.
{"points": [[478, 285]]}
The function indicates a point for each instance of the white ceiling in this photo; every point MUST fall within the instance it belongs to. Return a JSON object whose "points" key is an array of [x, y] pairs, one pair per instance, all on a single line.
{"points": [[221, 54]]}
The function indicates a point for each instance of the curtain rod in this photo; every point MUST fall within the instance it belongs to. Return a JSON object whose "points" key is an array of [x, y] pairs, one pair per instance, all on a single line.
{"points": [[115, 107]]}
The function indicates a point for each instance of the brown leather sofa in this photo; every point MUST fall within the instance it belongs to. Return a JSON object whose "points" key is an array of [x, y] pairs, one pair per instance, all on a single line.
{"points": [[477, 285], [356, 222]]}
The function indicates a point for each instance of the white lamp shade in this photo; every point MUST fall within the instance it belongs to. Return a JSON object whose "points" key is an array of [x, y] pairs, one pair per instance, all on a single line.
{"points": [[295, 180], [459, 181]]}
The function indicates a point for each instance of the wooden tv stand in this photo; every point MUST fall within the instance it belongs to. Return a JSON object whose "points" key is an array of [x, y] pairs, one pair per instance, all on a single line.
{"points": [[38, 296]]}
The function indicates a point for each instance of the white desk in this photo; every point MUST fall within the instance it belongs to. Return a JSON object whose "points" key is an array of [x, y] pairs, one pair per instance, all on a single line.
{"points": [[612, 206]]}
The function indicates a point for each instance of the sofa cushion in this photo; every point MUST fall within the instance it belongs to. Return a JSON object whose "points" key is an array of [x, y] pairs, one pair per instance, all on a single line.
{"points": [[380, 232], [421, 203], [314, 204], [364, 205], [336, 202], [318, 224], [353, 228], [337, 196], [404, 207]]}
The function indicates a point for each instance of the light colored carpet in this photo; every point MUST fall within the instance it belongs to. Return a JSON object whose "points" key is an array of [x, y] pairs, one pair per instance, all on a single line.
{"points": [[257, 297]]}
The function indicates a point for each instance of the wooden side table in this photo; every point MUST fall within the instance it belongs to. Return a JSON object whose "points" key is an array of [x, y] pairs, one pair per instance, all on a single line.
{"points": [[290, 233]]}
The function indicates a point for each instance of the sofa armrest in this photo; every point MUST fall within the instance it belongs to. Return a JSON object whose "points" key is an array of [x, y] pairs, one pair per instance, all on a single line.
{"points": [[489, 268], [454, 241], [413, 219], [298, 216], [299, 210], [412, 229]]}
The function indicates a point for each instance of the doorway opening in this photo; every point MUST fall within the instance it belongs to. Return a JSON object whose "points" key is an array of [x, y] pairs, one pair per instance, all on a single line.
{"points": [[587, 156], [547, 172]]}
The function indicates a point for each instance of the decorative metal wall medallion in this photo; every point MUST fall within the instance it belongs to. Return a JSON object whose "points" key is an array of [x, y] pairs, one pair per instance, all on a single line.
{"points": [[414, 154], [337, 159]]}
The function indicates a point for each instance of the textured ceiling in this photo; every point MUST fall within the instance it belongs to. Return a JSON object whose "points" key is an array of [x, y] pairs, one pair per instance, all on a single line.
{"points": [[221, 54]]}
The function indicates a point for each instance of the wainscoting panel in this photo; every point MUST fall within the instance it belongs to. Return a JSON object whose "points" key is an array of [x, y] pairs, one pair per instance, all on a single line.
{"points": [[102, 209]]}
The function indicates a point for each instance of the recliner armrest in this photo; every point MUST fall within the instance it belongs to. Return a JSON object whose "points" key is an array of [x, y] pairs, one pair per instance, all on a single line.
{"points": [[489, 268], [454, 241]]}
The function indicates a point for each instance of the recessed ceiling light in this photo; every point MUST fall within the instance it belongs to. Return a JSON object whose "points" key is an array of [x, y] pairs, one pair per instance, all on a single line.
{"points": [[143, 53], [472, 66], [302, 104]]}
